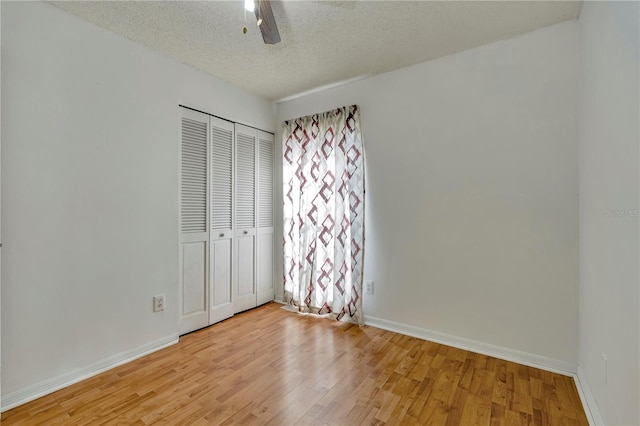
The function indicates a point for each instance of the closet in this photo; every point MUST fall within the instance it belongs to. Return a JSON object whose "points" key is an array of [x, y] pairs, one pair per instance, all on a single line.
{"points": [[226, 219]]}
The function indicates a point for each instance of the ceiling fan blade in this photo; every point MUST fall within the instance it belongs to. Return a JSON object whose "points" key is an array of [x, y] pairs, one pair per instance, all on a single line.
{"points": [[268, 28]]}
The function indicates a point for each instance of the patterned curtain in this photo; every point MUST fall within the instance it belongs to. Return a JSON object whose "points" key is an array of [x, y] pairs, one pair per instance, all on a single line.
{"points": [[323, 187]]}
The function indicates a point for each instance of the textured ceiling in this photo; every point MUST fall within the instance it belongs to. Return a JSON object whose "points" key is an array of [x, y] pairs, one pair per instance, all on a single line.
{"points": [[323, 42]]}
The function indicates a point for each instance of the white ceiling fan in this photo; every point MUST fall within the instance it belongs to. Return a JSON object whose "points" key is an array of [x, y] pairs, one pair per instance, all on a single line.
{"points": [[266, 21]]}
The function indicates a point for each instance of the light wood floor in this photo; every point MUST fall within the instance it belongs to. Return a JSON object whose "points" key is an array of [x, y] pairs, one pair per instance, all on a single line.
{"points": [[270, 366]]}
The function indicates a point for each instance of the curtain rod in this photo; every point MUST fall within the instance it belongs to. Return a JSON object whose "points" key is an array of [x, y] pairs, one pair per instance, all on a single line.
{"points": [[222, 118]]}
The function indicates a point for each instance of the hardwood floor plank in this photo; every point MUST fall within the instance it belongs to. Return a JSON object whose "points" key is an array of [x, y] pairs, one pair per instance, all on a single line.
{"points": [[271, 366]]}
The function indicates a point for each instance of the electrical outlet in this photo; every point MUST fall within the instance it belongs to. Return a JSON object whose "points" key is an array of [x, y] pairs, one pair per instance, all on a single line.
{"points": [[368, 287], [604, 362], [158, 303]]}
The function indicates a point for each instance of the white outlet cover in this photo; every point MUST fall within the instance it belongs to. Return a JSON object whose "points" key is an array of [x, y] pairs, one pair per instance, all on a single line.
{"points": [[368, 287], [158, 303]]}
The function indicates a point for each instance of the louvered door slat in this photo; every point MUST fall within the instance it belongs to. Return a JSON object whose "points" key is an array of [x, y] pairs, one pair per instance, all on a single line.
{"points": [[221, 177], [193, 179], [265, 179], [245, 181]]}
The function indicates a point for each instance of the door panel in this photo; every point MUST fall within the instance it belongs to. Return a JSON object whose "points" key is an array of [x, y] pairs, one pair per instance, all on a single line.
{"points": [[265, 268], [245, 177], [193, 174], [265, 281], [193, 307], [221, 224], [221, 160], [221, 306], [194, 195], [265, 179], [245, 296], [244, 293]]}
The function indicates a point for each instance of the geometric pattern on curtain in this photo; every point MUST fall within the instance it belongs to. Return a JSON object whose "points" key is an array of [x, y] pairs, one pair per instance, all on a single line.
{"points": [[323, 188]]}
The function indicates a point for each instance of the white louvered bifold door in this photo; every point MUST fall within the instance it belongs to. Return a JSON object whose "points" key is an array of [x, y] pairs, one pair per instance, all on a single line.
{"points": [[193, 221], [244, 292], [265, 216], [221, 184]]}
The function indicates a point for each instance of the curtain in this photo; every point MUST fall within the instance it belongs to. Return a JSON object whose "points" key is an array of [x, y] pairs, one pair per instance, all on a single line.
{"points": [[323, 189]]}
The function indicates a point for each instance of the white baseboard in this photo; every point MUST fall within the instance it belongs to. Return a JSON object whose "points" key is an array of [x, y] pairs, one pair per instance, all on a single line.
{"points": [[532, 360], [279, 299], [525, 358], [48, 386], [588, 402]]}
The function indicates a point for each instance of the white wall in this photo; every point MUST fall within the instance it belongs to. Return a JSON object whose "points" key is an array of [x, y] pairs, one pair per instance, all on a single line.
{"points": [[472, 191], [609, 231], [90, 189]]}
